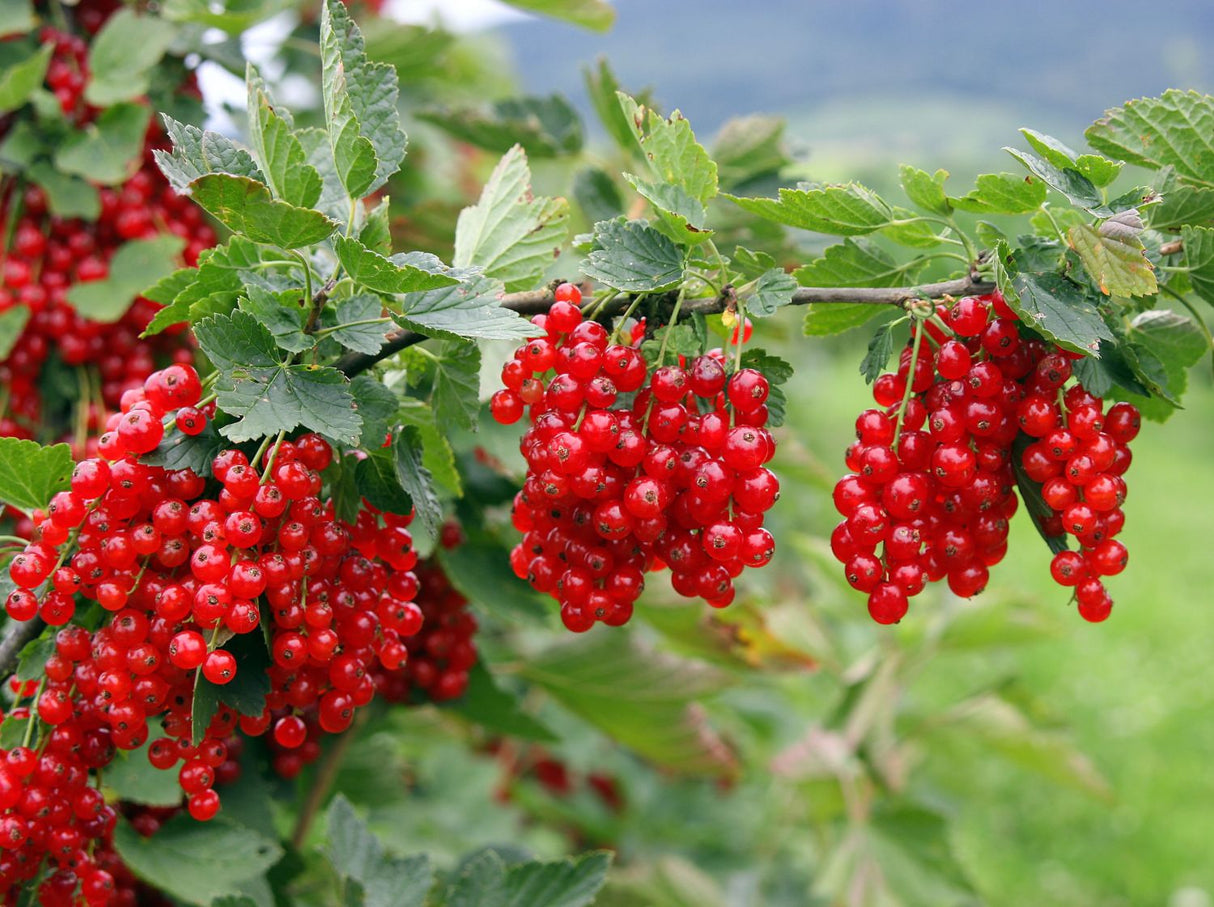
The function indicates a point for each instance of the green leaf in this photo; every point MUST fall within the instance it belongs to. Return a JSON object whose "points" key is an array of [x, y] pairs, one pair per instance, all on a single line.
{"points": [[245, 692], [773, 291], [376, 480], [1099, 170], [231, 16], [12, 323], [376, 405], [1052, 305], [480, 570], [1175, 340], [123, 54], [644, 698], [852, 263], [596, 195], [66, 196], [197, 861], [223, 275], [671, 149], [1075, 186], [454, 375], [282, 157], [132, 778], [416, 479], [603, 89], [1180, 205], [284, 316], [136, 265], [12, 731], [595, 15], [1112, 369], [376, 231], [196, 153], [1171, 130], [1114, 256], [31, 474], [16, 17], [269, 395], [776, 370], [684, 214], [181, 451], [633, 256], [108, 149], [374, 271], [849, 210], [34, 656], [1199, 256], [486, 704], [825, 319], [1002, 193], [19, 80], [384, 880], [545, 127], [510, 234], [349, 327], [360, 101], [486, 881], [925, 189], [469, 310], [748, 149], [437, 453], [912, 847], [909, 229], [880, 348], [245, 206]]}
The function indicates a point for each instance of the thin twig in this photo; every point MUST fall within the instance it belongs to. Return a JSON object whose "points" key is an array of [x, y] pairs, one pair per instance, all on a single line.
{"points": [[535, 302], [326, 774]]}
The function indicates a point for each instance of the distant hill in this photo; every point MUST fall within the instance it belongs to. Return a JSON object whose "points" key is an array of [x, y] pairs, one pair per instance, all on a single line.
{"points": [[906, 78]]}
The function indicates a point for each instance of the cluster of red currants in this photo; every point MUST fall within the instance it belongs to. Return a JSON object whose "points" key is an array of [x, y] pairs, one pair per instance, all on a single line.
{"points": [[933, 474], [631, 469], [186, 570]]}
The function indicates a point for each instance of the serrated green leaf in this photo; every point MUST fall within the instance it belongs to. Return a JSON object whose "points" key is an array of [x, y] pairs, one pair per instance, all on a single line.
{"points": [[679, 340], [776, 370], [909, 229], [480, 570], [123, 54], [595, 15], [1199, 256], [880, 348], [12, 731], [374, 271], [19, 80], [603, 89], [455, 384], [1002, 193], [284, 316], [269, 395], [108, 149], [850, 210], [1055, 307], [544, 127], [282, 157], [356, 854], [1100, 170], [774, 290], [1180, 204], [825, 319], [510, 234], [1176, 341], [486, 704], [231, 16], [912, 846], [596, 195], [333, 200], [376, 231], [1114, 256], [245, 692], [925, 189], [1099, 376], [1070, 182], [181, 451], [1057, 153], [12, 323], [748, 149], [437, 453], [245, 206], [1171, 130], [416, 479], [196, 861], [751, 264], [640, 696], [633, 256], [469, 310], [486, 881], [358, 323], [360, 101], [684, 216], [31, 474], [136, 265], [196, 153], [16, 17], [66, 196], [671, 149], [852, 263]]}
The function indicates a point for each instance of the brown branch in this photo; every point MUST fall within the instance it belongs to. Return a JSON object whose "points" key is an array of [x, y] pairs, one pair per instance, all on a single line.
{"points": [[535, 302], [19, 635]]}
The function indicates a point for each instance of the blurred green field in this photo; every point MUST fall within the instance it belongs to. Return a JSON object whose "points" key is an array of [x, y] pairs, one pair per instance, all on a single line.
{"points": [[1137, 690]]}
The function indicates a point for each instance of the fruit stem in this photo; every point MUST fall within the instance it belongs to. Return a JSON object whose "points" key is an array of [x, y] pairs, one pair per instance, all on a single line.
{"points": [[670, 325], [623, 319], [265, 474], [917, 327], [29, 731], [325, 776]]}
